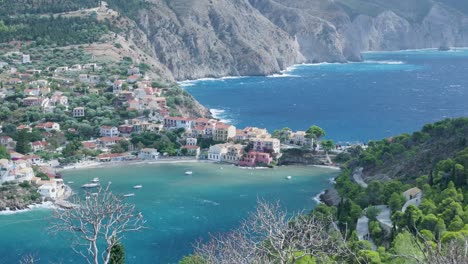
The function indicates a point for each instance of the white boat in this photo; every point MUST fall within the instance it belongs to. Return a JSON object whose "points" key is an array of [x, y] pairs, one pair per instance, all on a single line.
{"points": [[90, 185], [137, 186], [70, 182], [95, 180], [129, 195], [288, 177], [188, 173]]}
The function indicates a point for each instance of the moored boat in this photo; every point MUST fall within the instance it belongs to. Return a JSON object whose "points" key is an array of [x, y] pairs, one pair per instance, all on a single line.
{"points": [[188, 173], [90, 185], [95, 180], [129, 195], [137, 186]]}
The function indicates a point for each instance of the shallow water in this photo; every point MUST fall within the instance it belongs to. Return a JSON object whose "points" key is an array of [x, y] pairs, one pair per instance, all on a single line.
{"points": [[179, 209]]}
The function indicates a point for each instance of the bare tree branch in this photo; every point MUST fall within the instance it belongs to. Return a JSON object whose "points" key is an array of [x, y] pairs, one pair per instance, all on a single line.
{"points": [[271, 235], [97, 223]]}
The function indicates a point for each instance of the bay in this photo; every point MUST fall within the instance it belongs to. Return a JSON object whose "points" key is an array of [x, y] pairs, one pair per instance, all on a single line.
{"points": [[387, 94], [179, 209]]}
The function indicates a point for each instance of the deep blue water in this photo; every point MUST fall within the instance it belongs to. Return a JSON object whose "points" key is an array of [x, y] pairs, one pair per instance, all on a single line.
{"points": [[388, 94], [179, 209]]}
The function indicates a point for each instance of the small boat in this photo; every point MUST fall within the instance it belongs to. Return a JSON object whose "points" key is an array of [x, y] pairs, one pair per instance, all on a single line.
{"points": [[188, 173], [90, 185], [129, 195], [70, 182], [137, 186], [95, 180], [288, 177]]}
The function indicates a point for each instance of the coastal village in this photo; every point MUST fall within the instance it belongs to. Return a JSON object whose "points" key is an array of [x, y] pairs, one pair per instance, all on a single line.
{"points": [[55, 131]]}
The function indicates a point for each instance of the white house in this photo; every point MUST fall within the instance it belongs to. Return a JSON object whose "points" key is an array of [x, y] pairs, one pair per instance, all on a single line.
{"points": [[148, 154], [108, 131], [48, 190], [412, 193], [266, 145], [216, 152], [88, 78], [191, 142], [26, 58], [78, 112], [53, 189], [178, 122], [49, 126]]}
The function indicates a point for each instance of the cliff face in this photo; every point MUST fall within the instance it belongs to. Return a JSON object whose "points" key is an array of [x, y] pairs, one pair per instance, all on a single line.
{"points": [[214, 38], [338, 31], [206, 38]]}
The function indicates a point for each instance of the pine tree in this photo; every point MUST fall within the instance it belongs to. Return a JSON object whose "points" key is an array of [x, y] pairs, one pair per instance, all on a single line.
{"points": [[117, 254]]}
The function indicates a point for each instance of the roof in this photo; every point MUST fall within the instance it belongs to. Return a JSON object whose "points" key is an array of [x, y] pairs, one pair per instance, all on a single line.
{"points": [[178, 118], [78, 108], [107, 127], [110, 139], [222, 125], [148, 149], [39, 143], [412, 191], [191, 147], [89, 144]]}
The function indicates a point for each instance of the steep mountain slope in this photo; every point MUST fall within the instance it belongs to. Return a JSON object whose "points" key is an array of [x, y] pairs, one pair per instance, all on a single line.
{"points": [[206, 38], [192, 39], [339, 30]]}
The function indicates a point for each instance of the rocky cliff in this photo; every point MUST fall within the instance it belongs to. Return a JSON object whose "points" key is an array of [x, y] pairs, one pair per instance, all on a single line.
{"points": [[214, 38], [207, 38]]}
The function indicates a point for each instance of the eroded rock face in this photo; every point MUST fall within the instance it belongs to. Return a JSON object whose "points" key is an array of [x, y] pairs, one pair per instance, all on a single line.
{"points": [[214, 38], [204, 38]]}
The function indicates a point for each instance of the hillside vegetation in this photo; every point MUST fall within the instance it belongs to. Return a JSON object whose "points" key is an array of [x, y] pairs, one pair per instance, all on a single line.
{"points": [[408, 156]]}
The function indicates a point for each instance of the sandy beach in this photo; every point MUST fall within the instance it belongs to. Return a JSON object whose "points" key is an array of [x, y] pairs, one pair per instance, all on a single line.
{"points": [[91, 165]]}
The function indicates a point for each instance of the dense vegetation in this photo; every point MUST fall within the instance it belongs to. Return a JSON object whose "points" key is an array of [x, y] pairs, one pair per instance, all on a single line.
{"points": [[52, 30], [19, 7], [442, 216]]}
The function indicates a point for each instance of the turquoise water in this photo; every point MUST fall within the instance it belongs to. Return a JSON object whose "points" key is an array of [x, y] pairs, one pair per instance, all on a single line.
{"points": [[179, 209], [388, 94]]}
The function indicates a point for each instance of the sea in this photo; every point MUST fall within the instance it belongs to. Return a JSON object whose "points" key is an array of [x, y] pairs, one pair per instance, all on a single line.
{"points": [[179, 209], [387, 94]]}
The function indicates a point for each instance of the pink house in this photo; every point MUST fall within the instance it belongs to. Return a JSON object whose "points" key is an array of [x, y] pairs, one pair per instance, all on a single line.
{"points": [[253, 158]]}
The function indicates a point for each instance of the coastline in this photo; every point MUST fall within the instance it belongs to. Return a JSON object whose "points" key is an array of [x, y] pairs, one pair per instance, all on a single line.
{"points": [[95, 165], [43, 205]]}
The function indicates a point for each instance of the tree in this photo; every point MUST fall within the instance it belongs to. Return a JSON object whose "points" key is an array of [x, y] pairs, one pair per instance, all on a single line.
{"points": [[192, 259], [97, 224], [396, 201], [314, 133], [269, 235], [4, 153], [117, 255], [22, 142], [328, 145]]}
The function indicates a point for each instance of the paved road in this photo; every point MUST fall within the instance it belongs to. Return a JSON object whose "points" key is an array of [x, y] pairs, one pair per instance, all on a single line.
{"points": [[362, 229], [416, 201], [357, 176]]}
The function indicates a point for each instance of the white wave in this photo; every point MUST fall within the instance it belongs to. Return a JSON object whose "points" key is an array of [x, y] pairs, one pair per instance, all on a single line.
{"points": [[188, 83], [45, 205], [317, 197], [384, 62], [205, 201], [220, 114], [283, 76]]}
